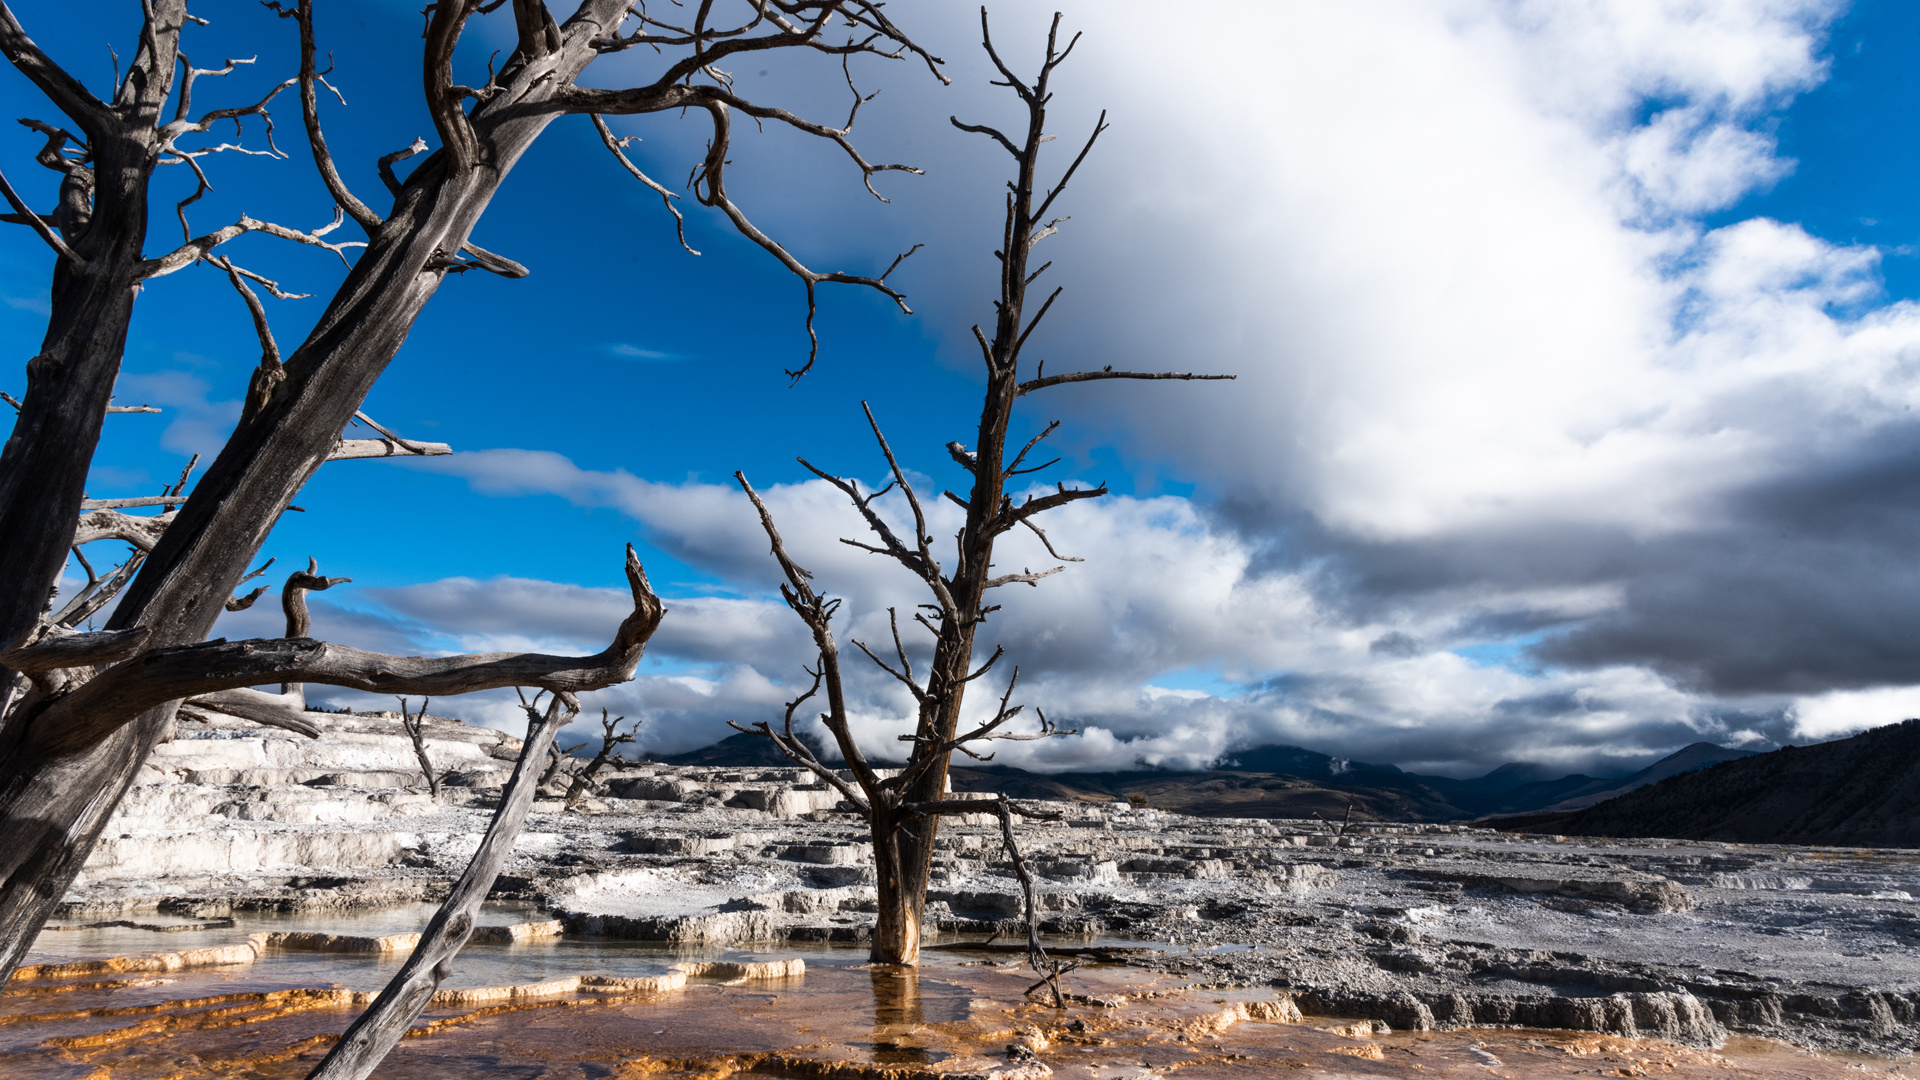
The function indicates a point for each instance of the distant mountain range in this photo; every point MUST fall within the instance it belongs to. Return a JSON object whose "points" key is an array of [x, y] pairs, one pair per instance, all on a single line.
{"points": [[1288, 782], [1857, 792], [734, 751]]}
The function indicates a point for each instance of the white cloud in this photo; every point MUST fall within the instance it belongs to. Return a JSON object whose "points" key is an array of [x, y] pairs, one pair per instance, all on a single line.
{"points": [[1496, 376], [1848, 712], [637, 353]]}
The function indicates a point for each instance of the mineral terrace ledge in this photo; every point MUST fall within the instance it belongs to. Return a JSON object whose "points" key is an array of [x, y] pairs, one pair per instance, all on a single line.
{"points": [[1413, 925]]}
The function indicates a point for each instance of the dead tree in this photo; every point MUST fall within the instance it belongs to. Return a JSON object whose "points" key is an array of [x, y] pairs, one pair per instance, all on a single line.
{"points": [[611, 739], [903, 810], [556, 761], [374, 1032], [85, 709], [416, 729]]}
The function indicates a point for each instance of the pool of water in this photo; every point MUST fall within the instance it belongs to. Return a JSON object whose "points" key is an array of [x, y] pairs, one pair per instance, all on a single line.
{"points": [[959, 1012], [479, 964]]}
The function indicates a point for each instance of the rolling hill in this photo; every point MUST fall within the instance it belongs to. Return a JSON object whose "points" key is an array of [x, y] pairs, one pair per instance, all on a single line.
{"points": [[1857, 792]]}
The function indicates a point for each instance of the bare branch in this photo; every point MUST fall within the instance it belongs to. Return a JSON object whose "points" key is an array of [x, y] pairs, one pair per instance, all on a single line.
{"points": [[28, 217], [617, 147], [269, 349], [75, 650], [795, 748], [982, 129], [486, 260], [182, 126], [286, 711], [1021, 342], [445, 21], [96, 596], [92, 711], [197, 248], [1014, 469], [1048, 544], [817, 613], [1025, 577], [88, 111], [242, 603], [92, 578], [141, 532], [1046, 204], [611, 738], [1043, 382], [357, 449], [709, 180], [418, 146], [417, 448], [930, 567], [1010, 516], [131, 501], [362, 214], [374, 1032]]}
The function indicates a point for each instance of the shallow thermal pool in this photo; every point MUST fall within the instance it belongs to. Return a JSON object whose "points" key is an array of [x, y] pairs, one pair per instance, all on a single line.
{"points": [[963, 1013]]}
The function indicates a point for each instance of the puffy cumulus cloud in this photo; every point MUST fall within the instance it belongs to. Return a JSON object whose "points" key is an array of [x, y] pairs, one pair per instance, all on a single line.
{"points": [[1494, 369], [1843, 712], [1449, 263], [1499, 385], [1165, 590]]}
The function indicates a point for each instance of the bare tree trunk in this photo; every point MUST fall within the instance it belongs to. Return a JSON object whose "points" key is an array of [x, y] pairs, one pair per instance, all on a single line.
{"points": [[896, 928], [416, 728], [103, 217], [903, 811], [54, 805], [611, 739], [376, 1031]]}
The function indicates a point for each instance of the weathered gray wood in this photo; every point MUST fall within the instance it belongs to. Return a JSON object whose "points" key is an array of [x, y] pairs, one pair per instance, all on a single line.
{"points": [[286, 711], [611, 739], [376, 1031], [96, 709], [132, 502], [416, 729], [75, 650], [44, 464], [102, 215], [355, 449], [142, 532]]}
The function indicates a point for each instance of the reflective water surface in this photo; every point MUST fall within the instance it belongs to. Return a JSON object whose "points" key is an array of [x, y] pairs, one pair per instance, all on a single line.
{"points": [[962, 1013]]}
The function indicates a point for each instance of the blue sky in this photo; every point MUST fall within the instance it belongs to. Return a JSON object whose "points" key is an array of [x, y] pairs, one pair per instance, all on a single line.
{"points": [[1573, 344]]}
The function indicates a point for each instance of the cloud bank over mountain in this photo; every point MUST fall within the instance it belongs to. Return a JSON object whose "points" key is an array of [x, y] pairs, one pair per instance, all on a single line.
{"points": [[1530, 455]]}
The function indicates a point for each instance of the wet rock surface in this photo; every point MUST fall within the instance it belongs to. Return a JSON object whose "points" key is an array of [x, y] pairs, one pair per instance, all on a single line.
{"points": [[1415, 926]]}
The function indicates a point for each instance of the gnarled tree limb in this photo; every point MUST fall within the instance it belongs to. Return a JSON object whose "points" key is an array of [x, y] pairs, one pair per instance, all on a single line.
{"points": [[95, 709]]}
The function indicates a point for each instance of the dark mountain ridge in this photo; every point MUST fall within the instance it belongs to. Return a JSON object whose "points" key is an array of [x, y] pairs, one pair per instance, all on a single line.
{"points": [[1862, 791]]}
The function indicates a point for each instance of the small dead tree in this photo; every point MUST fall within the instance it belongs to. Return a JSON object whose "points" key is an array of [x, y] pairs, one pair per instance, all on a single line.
{"points": [[556, 756], [903, 810], [416, 729], [611, 739]]}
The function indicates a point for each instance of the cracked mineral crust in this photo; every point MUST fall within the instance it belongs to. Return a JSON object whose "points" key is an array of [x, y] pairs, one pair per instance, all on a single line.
{"points": [[1414, 926]]}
